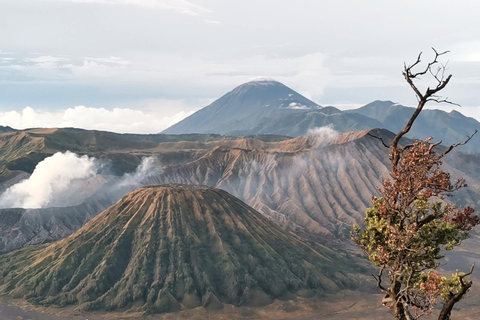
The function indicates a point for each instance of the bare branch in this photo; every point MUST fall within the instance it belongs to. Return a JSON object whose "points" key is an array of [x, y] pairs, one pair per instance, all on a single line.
{"points": [[453, 146], [428, 67], [433, 145], [379, 279], [414, 87], [442, 100], [423, 98], [468, 273]]}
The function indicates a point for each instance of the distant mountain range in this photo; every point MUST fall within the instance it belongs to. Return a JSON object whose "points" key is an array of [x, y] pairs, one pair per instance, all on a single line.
{"points": [[450, 127], [269, 107], [6, 129]]}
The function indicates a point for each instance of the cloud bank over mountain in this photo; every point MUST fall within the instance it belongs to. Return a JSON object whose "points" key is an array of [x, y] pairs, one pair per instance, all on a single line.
{"points": [[202, 48], [121, 120]]}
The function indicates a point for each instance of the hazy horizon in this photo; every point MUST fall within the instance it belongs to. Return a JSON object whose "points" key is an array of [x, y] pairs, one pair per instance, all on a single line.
{"points": [[142, 65]]}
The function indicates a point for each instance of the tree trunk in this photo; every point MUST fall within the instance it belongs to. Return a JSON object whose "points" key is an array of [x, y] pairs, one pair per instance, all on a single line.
{"points": [[446, 310], [399, 308]]}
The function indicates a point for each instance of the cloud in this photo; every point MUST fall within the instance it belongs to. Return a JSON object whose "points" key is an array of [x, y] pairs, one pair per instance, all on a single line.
{"points": [[186, 56], [50, 178], [305, 73], [180, 6], [110, 60], [50, 60], [171, 74], [122, 120], [7, 60], [48, 68]]}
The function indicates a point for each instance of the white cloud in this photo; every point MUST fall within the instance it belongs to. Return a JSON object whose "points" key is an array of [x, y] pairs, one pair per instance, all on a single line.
{"points": [[97, 69], [305, 73], [122, 120], [47, 59], [297, 106], [7, 60], [167, 55], [66, 68], [180, 6], [110, 60]]}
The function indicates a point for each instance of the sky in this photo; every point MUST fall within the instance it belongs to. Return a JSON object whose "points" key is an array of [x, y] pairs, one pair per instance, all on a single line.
{"points": [[142, 65]]}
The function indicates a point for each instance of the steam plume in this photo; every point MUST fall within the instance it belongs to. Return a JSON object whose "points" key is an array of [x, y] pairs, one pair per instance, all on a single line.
{"points": [[147, 168], [323, 135], [51, 177], [57, 179]]}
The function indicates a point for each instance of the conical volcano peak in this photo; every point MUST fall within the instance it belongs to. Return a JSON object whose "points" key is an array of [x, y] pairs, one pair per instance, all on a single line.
{"points": [[164, 248], [263, 80], [243, 107], [267, 86]]}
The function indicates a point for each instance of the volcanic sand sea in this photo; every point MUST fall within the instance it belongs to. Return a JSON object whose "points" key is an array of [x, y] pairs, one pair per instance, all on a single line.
{"points": [[344, 305], [10, 312], [341, 306]]}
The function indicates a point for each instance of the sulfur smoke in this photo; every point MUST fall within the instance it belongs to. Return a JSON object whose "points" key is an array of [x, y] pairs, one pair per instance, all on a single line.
{"points": [[323, 135], [147, 168], [56, 180], [50, 177]]}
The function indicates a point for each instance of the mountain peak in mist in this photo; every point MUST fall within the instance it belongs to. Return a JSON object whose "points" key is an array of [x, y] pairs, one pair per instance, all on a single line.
{"points": [[241, 108], [262, 80]]}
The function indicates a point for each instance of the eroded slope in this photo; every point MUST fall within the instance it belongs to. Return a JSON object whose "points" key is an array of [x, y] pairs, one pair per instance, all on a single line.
{"points": [[169, 247]]}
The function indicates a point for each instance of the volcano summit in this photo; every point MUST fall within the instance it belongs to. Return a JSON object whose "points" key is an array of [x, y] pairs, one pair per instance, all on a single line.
{"points": [[165, 248]]}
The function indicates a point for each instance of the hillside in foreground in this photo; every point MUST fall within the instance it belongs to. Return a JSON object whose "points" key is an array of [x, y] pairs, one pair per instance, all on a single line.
{"points": [[174, 247]]}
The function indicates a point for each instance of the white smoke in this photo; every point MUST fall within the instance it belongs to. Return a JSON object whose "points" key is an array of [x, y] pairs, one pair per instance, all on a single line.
{"points": [[147, 168], [59, 180], [323, 135], [326, 132], [51, 177]]}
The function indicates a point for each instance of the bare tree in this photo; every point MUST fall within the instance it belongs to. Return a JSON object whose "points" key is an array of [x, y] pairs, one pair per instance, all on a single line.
{"points": [[410, 223]]}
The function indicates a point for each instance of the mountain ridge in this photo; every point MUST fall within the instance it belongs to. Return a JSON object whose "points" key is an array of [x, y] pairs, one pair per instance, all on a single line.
{"points": [[316, 185], [241, 112], [450, 127]]}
